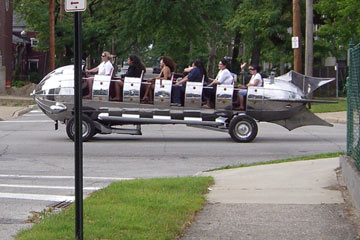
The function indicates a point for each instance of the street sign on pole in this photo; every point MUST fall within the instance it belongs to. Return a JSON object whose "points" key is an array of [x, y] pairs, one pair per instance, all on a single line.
{"points": [[75, 5]]}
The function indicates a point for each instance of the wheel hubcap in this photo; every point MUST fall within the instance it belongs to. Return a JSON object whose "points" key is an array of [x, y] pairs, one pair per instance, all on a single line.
{"points": [[85, 129], [243, 129]]}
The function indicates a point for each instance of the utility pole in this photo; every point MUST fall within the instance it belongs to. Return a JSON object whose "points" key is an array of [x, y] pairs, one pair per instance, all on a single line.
{"points": [[51, 35], [297, 34], [309, 39]]}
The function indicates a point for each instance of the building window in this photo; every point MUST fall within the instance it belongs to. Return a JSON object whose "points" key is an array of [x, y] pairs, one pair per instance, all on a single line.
{"points": [[33, 64]]}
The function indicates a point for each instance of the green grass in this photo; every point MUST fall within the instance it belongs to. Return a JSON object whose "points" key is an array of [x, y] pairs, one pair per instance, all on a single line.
{"points": [[137, 209], [302, 158], [333, 107], [16, 103]]}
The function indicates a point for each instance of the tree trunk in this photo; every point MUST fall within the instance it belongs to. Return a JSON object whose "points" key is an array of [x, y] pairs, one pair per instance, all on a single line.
{"points": [[51, 35], [309, 42], [211, 59], [255, 54], [235, 65]]}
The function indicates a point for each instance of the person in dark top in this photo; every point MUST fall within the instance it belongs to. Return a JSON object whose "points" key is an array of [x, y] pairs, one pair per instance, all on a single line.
{"points": [[196, 74], [136, 68]]}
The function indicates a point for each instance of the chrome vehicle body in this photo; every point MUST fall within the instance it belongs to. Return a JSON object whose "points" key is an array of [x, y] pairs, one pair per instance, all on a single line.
{"points": [[282, 100]]}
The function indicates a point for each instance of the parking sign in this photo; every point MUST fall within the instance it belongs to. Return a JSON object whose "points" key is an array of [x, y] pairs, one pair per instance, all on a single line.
{"points": [[75, 5]]}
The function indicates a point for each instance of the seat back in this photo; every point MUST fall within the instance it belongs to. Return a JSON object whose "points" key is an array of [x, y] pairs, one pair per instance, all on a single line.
{"points": [[131, 90], [100, 90], [162, 92], [224, 96], [193, 94]]}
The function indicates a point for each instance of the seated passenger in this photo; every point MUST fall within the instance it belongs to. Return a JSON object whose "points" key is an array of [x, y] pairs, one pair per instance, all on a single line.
{"points": [[105, 68], [167, 67], [136, 67], [195, 75], [224, 76], [256, 80]]}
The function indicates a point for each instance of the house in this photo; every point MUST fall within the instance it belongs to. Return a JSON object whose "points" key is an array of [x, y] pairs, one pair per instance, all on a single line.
{"points": [[29, 64], [18, 58]]}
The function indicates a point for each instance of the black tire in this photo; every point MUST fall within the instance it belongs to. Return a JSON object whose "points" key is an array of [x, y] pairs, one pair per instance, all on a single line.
{"points": [[88, 128], [243, 128]]}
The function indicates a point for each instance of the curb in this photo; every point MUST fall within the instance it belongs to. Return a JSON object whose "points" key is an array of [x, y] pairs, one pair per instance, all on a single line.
{"points": [[351, 177], [23, 111]]}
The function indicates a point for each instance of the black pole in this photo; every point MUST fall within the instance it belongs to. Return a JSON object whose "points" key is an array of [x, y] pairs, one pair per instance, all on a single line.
{"points": [[78, 129]]}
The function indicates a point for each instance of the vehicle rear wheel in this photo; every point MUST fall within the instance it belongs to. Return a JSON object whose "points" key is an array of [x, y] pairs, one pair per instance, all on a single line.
{"points": [[88, 128], [243, 128]]}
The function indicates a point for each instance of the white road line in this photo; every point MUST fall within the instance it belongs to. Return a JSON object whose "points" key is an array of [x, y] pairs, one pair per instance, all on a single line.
{"points": [[41, 197], [62, 177], [47, 187], [29, 121]]}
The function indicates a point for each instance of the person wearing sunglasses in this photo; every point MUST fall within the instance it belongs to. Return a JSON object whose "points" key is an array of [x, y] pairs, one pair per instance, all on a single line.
{"points": [[104, 68], [256, 80]]}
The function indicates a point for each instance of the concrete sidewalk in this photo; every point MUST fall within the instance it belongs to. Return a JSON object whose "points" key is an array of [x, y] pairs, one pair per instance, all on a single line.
{"points": [[8, 112], [294, 200]]}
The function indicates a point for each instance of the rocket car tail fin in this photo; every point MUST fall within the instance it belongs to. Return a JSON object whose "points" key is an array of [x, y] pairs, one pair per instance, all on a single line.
{"points": [[302, 118]]}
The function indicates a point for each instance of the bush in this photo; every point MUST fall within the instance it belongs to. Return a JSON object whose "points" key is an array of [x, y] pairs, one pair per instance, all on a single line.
{"points": [[34, 77], [18, 83]]}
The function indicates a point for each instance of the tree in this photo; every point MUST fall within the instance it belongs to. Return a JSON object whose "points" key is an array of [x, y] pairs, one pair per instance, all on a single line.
{"points": [[263, 26], [340, 25]]}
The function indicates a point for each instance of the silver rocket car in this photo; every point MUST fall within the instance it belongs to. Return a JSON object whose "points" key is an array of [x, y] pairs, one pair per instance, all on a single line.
{"points": [[282, 100]]}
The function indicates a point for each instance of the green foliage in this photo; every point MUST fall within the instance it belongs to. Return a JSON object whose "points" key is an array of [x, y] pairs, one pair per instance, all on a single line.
{"points": [[189, 29], [341, 24], [264, 23], [18, 83]]}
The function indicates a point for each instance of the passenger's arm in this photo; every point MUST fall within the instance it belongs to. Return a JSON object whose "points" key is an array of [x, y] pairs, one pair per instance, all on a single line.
{"points": [[255, 82], [95, 69], [213, 83], [182, 81]]}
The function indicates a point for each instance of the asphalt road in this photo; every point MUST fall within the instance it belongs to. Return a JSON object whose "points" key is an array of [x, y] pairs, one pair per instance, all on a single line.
{"points": [[37, 163]]}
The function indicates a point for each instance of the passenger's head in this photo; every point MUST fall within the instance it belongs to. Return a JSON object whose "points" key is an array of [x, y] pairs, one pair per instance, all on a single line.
{"points": [[199, 64], [105, 56], [253, 69], [136, 61], [167, 61], [223, 64]]}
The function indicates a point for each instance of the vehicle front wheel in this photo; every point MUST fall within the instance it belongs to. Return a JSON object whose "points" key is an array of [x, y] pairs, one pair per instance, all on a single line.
{"points": [[243, 128], [88, 128]]}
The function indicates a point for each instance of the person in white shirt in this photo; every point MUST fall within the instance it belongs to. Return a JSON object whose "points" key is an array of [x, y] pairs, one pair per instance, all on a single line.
{"points": [[104, 68], [256, 80], [224, 76]]}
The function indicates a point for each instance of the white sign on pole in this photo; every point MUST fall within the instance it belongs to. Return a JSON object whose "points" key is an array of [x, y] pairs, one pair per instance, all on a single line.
{"points": [[295, 42], [75, 5]]}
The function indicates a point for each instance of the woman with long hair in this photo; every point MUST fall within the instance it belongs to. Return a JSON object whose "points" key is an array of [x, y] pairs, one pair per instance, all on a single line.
{"points": [[136, 68], [168, 66]]}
